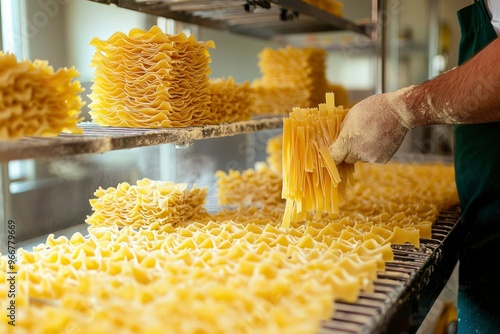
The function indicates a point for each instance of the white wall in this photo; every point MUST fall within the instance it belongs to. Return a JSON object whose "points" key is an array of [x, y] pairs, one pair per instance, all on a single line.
{"points": [[234, 55], [43, 31], [86, 20]]}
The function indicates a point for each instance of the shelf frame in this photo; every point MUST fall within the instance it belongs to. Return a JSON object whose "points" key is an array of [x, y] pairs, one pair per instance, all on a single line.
{"points": [[261, 23], [100, 139]]}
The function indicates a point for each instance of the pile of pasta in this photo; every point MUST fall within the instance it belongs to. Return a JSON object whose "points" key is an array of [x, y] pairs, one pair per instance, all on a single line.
{"points": [[260, 187], [293, 77], [312, 182], [147, 202], [209, 277], [296, 73], [396, 196], [234, 271], [230, 101], [276, 100], [151, 79], [35, 100]]}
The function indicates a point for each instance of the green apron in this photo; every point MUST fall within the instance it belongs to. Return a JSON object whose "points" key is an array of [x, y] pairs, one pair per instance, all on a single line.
{"points": [[477, 169]]}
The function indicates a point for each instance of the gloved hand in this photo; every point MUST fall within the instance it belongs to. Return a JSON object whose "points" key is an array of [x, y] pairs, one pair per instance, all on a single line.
{"points": [[374, 128]]}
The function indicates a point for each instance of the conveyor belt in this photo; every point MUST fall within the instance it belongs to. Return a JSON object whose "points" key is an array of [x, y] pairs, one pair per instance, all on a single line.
{"points": [[406, 290]]}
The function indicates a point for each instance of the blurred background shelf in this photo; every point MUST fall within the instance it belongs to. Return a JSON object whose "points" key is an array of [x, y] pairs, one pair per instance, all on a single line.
{"points": [[269, 19]]}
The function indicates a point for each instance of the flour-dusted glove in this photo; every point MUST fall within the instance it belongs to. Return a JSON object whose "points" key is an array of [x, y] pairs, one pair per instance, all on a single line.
{"points": [[374, 129]]}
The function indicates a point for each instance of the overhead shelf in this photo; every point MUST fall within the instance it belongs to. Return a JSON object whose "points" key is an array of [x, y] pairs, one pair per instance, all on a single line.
{"points": [[231, 15], [100, 139]]}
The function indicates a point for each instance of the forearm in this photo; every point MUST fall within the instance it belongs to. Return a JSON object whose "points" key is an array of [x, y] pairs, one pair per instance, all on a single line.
{"points": [[467, 94]]}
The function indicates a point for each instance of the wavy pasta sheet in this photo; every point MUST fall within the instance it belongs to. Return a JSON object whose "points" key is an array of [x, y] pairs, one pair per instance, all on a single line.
{"points": [[292, 77], [146, 203], [35, 100], [277, 100], [260, 186], [291, 69], [151, 79], [230, 101], [312, 182]]}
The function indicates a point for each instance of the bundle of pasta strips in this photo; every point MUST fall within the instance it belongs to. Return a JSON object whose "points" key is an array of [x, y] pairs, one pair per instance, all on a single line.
{"points": [[35, 100], [311, 180], [151, 79]]}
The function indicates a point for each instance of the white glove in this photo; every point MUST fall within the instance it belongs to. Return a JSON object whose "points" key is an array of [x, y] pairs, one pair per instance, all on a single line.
{"points": [[374, 129]]}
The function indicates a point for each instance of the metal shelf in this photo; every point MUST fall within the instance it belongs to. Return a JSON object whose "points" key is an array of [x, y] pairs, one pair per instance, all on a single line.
{"points": [[230, 15], [99, 139]]}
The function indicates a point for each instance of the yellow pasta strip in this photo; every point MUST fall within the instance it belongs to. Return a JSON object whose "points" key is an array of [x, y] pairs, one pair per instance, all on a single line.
{"points": [[307, 134]]}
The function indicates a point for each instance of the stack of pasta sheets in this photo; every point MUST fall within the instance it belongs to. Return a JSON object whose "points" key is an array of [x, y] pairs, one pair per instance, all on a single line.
{"points": [[147, 202], [312, 182], [260, 186], [277, 100], [230, 101], [35, 100], [151, 79], [298, 73]]}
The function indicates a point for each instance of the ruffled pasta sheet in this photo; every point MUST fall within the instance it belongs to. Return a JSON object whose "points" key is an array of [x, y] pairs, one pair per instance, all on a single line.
{"points": [[146, 203], [35, 100], [301, 69], [151, 79], [260, 186], [230, 101], [277, 100], [291, 77]]}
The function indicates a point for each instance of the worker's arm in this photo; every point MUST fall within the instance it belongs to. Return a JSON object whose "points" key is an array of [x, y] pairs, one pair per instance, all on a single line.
{"points": [[375, 127]]}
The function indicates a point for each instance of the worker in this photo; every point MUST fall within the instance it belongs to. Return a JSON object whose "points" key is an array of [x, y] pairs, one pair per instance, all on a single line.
{"points": [[468, 97]]}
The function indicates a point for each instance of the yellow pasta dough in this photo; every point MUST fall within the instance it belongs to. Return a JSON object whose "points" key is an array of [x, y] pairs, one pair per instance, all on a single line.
{"points": [[35, 100]]}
